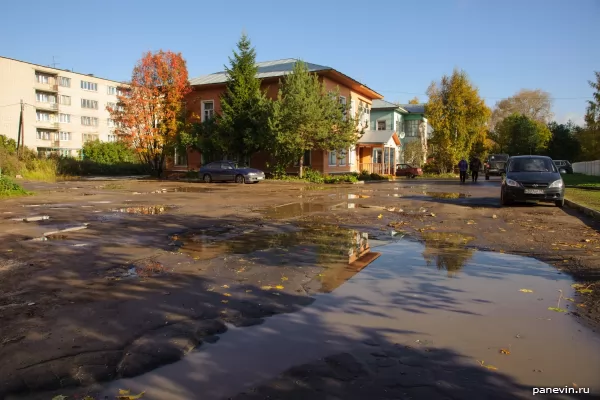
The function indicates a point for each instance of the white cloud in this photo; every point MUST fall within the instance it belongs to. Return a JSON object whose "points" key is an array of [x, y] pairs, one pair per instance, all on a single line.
{"points": [[576, 118]]}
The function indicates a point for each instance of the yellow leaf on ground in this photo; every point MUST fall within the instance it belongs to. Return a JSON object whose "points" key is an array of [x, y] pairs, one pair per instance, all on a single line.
{"points": [[526, 290], [227, 294], [225, 301], [580, 305], [130, 396], [124, 392], [267, 287], [279, 287], [380, 216], [504, 351], [59, 397], [225, 286], [284, 278]]}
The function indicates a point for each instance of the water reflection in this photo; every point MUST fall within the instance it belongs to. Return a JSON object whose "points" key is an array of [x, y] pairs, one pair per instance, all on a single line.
{"points": [[447, 251]]}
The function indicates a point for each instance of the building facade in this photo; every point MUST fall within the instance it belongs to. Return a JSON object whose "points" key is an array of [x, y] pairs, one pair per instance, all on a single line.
{"points": [[204, 101], [407, 120], [61, 109]]}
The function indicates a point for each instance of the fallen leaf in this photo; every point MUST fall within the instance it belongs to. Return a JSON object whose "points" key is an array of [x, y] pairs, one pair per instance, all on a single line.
{"points": [[225, 301], [494, 216], [581, 305], [556, 309], [490, 367], [227, 294], [526, 290], [585, 291], [284, 278], [279, 287], [569, 299], [124, 392], [267, 287], [380, 216], [504, 351], [59, 397], [130, 396], [225, 286]]}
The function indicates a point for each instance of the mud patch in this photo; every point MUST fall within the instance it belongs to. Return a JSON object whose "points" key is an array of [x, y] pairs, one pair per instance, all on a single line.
{"points": [[144, 210], [190, 189], [447, 195], [293, 210], [138, 269]]}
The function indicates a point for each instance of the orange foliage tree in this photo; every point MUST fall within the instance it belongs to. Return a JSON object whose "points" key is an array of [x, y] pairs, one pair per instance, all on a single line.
{"points": [[149, 114]]}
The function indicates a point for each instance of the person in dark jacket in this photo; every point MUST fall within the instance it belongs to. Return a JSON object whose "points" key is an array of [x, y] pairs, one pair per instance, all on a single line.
{"points": [[475, 167], [462, 167]]}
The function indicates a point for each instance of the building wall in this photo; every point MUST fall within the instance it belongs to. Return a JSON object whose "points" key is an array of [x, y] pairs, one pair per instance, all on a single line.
{"points": [[18, 82]]}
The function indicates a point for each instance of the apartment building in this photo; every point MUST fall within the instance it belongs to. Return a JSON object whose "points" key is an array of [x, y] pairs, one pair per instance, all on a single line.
{"points": [[62, 109]]}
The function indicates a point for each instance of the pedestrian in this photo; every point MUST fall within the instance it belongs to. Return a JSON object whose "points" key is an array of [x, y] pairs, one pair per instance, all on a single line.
{"points": [[463, 166], [475, 167]]}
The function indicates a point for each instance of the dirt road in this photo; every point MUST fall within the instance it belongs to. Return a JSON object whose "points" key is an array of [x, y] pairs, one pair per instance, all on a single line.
{"points": [[110, 279]]}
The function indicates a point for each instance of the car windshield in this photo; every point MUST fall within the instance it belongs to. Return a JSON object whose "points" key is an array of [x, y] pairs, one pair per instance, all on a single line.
{"points": [[499, 158], [531, 165]]}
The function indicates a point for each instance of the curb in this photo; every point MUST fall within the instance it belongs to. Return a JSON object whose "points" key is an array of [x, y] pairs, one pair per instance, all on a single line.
{"points": [[586, 210], [582, 187]]}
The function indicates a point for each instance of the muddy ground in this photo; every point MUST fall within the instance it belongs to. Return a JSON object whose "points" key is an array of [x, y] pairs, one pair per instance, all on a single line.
{"points": [[113, 278]]}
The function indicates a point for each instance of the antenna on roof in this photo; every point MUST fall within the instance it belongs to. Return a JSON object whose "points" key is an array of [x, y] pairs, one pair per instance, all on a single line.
{"points": [[54, 63]]}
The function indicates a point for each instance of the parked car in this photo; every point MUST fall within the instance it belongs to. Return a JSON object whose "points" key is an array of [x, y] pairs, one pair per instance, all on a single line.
{"points": [[532, 178], [564, 167], [495, 165], [408, 171], [229, 171]]}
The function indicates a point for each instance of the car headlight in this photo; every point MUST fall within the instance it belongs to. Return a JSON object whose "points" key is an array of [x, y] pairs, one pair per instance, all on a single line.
{"points": [[510, 182], [252, 173], [556, 184]]}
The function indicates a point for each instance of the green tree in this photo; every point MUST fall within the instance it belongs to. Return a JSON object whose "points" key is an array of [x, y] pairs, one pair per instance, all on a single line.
{"points": [[307, 117], [413, 153], [534, 104], [589, 136], [242, 127], [563, 144], [458, 117], [523, 135]]}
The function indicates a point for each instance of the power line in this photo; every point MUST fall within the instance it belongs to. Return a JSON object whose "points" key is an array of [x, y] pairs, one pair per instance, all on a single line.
{"points": [[495, 98], [10, 105]]}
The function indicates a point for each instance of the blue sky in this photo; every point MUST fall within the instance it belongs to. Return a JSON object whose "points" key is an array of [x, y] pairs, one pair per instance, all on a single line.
{"points": [[396, 47]]}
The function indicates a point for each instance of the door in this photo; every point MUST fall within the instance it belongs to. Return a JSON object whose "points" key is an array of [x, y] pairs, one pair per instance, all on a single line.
{"points": [[377, 160], [227, 173]]}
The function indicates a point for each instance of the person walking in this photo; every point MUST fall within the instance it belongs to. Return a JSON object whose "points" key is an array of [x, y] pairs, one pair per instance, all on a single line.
{"points": [[462, 167], [475, 167]]}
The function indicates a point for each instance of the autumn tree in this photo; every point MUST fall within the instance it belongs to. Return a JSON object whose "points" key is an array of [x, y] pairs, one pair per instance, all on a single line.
{"points": [[589, 137], [308, 117], [149, 115], [523, 135], [534, 104], [413, 153], [458, 117], [243, 122], [414, 100]]}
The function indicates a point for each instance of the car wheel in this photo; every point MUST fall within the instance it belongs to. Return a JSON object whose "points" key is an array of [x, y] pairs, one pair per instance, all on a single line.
{"points": [[206, 178], [240, 179], [503, 200], [560, 203]]}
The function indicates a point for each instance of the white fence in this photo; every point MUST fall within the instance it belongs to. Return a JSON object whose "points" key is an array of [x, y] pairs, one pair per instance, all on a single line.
{"points": [[587, 167]]}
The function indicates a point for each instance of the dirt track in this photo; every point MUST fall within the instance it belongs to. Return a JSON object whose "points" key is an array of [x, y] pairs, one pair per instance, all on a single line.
{"points": [[161, 267]]}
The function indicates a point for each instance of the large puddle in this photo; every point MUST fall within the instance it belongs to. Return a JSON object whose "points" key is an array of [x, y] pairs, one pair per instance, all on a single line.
{"points": [[438, 296]]}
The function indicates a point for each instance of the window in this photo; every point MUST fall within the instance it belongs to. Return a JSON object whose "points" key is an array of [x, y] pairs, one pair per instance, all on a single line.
{"points": [[112, 138], [43, 135], [112, 106], [65, 136], [110, 123], [332, 158], [43, 116], [45, 97], [123, 92], [411, 128], [64, 100], [42, 78], [208, 110], [64, 118], [64, 152], [89, 121], [85, 85], [64, 82], [306, 159], [90, 137], [89, 104], [343, 104], [111, 90], [377, 156], [343, 155], [381, 125], [180, 158]]}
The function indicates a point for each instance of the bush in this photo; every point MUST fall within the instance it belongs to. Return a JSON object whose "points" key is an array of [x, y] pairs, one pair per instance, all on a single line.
{"points": [[346, 178], [72, 166], [313, 176], [366, 176], [10, 188], [109, 153]]}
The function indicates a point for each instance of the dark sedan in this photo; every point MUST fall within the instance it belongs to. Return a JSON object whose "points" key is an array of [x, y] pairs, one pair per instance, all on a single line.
{"points": [[532, 178], [229, 171], [495, 165], [564, 166]]}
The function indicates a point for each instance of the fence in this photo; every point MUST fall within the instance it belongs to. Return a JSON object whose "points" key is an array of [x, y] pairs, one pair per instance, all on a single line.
{"points": [[587, 167]]}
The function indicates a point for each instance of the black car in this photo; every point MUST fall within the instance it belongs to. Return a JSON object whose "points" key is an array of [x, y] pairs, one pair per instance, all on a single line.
{"points": [[532, 178], [495, 165], [564, 167], [229, 171]]}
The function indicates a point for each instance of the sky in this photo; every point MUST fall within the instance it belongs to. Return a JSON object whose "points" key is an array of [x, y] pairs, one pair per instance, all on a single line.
{"points": [[395, 47]]}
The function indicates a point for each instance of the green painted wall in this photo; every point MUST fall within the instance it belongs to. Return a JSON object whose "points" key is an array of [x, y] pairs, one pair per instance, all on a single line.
{"points": [[388, 115]]}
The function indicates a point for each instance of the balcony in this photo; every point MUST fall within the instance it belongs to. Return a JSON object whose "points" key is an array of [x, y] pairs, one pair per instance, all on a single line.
{"points": [[48, 87], [43, 105], [56, 143], [46, 124]]}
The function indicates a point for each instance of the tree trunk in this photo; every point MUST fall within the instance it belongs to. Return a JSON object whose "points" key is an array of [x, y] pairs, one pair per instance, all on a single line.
{"points": [[301, 166]]}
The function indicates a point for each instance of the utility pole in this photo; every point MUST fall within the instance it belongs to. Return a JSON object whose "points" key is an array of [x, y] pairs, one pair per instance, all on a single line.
{"points": [[20, 135]]}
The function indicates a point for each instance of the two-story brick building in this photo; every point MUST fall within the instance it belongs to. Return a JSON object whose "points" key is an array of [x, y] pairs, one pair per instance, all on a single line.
{"points": [[204, 101]]}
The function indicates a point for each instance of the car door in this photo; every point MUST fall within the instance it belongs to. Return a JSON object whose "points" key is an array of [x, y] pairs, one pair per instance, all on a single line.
{"points": [[227, 172], [403, 169]]}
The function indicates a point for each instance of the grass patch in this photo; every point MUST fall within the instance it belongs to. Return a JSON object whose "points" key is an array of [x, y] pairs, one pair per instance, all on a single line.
{"points": [[8, 188], [588, 198], [448, 175], [581, 180]]}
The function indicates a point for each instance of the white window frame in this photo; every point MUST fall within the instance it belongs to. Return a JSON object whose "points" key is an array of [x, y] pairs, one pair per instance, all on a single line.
{"points": [[384, 124], [65, 136], [89, 86], [175, 159], [93, 121], [204, 110], [63, 97], [111, 90], [42, 78], [64, 118], [329, 157], [342, 160], [377, 150], [39, 113], [64, 79], [90, 137], [112, 137], [111, 105], [90, 104], [43, 134]]}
